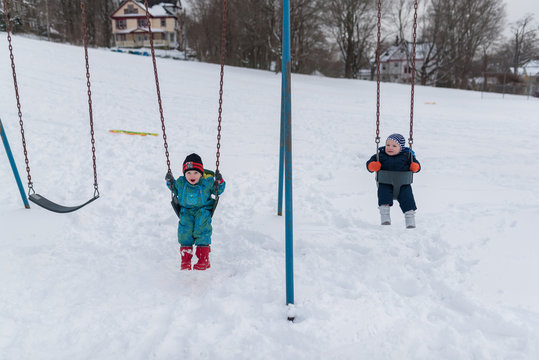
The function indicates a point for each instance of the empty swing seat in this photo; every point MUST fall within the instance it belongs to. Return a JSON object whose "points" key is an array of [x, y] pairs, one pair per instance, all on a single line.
{"points": [[395, 178], [49, 205]]}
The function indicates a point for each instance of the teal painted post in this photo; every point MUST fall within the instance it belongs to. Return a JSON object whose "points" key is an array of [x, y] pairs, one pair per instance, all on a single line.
{"points": [[281, 154], [13, 166], [287, 112]]}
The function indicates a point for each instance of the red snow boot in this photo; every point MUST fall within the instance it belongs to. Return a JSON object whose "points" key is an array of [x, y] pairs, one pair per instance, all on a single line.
{"points": [[187, 253], [203, 253]]}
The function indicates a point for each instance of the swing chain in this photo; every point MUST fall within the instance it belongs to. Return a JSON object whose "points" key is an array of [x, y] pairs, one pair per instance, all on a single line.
{"points": [[219, 118], [220, 111], [411, 138], [85, 40], [150, 34], [378, 26], [12, 58]]}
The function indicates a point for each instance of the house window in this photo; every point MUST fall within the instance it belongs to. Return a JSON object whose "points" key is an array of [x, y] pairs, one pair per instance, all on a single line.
{"points": [[131, 9], [171, 37], [142, 22], [163, 22], [383, 67], [121, 24], [163, 36]]}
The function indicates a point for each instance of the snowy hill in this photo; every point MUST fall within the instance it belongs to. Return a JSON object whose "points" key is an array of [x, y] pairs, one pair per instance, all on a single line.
{"points": [[104, 282]]}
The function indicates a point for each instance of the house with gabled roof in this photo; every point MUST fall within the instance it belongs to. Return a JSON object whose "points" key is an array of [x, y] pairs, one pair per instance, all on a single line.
{"points": [[130, 26], [395, 63]]}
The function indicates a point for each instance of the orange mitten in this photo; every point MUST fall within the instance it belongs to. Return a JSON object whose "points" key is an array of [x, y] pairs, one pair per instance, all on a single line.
{"points": [[414, 167], [374, 166]]}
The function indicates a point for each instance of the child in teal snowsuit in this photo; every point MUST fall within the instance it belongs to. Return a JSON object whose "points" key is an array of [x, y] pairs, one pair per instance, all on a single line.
{"points": [[194, 191]]}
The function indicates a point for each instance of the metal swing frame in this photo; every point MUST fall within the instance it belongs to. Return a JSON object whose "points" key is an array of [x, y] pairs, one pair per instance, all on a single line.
{"points": [[32, 196]]}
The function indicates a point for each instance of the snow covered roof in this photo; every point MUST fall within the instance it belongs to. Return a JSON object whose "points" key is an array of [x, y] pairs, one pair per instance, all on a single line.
{"points": [[389, 53], [159, 10], [154, 30], [398, 52], [139, 29]]}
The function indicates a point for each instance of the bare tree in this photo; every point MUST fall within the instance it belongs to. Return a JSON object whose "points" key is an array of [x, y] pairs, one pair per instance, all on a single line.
{"points": [[253, 37], [250, 32], [524, 42], [308, 40], [18, 13], [61, 19], [460, 28], [353, 23], [204, 29], [401, 17], [103, 23], [521, 47]]}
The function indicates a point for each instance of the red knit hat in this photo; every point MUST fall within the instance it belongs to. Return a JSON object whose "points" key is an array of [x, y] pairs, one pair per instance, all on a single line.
{"points": [[193, 162]]}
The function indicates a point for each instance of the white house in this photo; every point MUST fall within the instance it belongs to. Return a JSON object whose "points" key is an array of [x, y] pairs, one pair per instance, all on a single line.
{"points": [[130, 26], [395, 65]]}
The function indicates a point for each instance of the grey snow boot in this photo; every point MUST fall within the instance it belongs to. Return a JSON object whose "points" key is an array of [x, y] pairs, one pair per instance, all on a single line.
{"points": [[409, 218], [384, 214]]}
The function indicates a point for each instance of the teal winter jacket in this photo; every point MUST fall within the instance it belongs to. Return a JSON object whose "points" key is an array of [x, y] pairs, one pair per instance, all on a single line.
{"points": [[198, 195]]}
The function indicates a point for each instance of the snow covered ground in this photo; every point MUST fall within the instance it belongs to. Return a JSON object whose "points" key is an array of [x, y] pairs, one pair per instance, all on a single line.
{"points": [[104, 283]]}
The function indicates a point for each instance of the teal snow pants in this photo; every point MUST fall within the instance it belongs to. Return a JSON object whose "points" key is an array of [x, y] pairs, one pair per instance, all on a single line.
{"points": [[194, 227]]}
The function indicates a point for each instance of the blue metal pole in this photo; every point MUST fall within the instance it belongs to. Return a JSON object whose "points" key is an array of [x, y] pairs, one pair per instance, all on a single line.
{"points": [[13, 166], [287, 112], [281, 152]]}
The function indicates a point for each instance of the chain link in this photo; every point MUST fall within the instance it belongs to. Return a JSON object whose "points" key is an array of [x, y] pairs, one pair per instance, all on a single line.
{"points": [[30, 184], [12, 58], [85, 40], [378, 45], [219, 118], [157, 85], [411, 138]]}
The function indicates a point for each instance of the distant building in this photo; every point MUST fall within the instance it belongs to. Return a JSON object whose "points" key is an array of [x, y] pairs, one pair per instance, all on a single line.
{"points": [[395, 64], [530, 70], [130, 27], [530, 73], [364, 74]]}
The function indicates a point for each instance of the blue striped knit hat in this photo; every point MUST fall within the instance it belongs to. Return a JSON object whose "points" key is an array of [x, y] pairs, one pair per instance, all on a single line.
{"points": [[398, 138]]}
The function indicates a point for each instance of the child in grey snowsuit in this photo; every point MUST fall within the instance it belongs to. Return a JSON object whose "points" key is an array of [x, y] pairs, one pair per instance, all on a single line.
{"points": [[194, 191], [395, 156]]}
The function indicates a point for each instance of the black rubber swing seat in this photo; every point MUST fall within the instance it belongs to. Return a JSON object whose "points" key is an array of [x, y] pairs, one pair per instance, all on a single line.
{"points": [[175, 203], [49, 205], [395, 178]]}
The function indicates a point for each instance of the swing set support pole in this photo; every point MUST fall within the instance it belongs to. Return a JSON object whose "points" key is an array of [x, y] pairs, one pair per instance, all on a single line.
{"points": [[13, 166], [286, 108], [281, 154]]}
